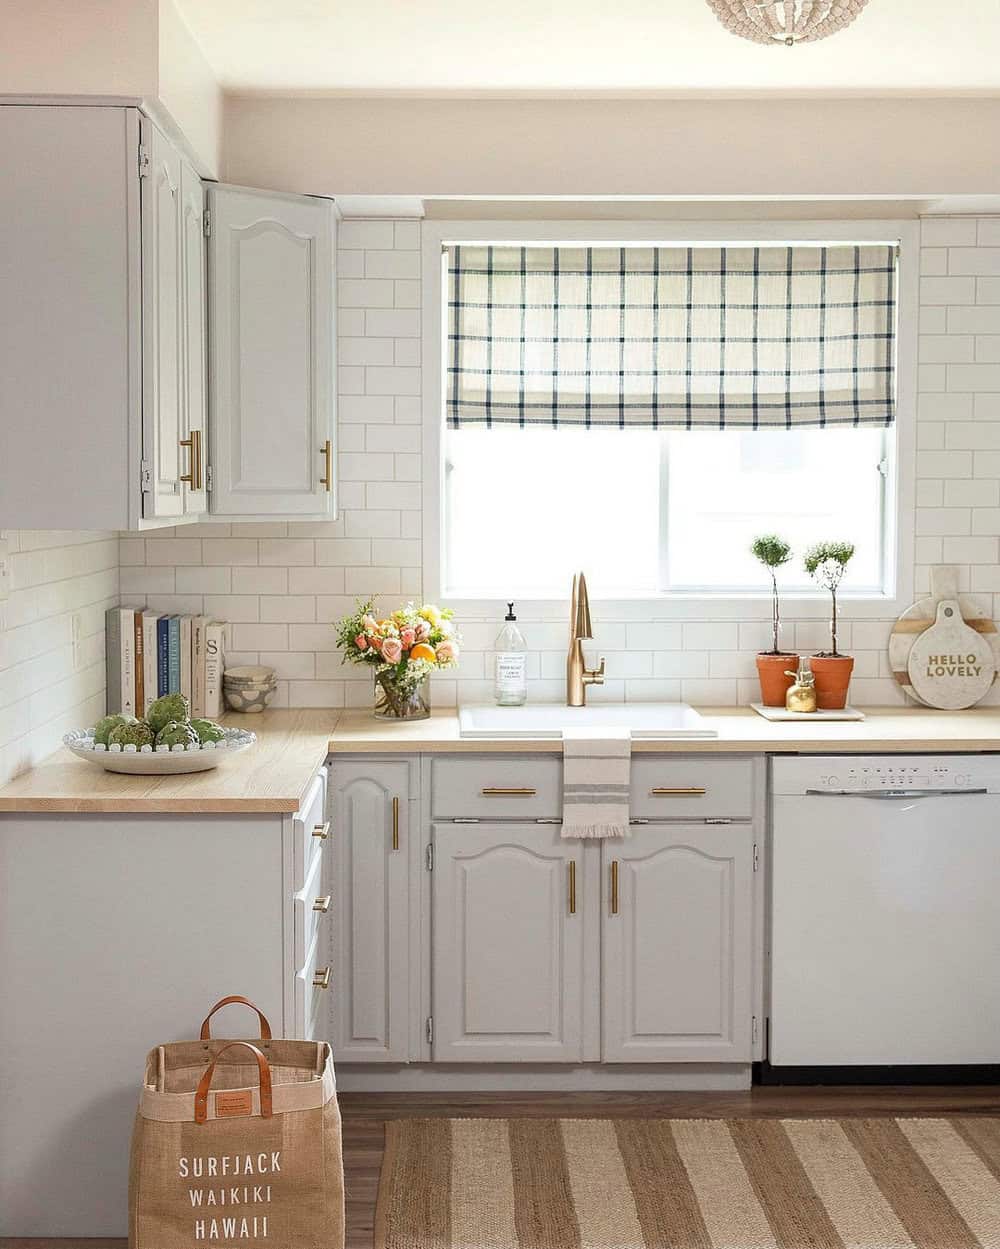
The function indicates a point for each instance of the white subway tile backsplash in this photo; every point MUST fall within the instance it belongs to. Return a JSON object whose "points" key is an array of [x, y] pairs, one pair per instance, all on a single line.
{"points": [[303, 576]]}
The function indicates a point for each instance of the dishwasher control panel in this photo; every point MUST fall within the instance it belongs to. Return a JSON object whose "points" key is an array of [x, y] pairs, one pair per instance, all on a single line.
{"points": [[885, 773]]}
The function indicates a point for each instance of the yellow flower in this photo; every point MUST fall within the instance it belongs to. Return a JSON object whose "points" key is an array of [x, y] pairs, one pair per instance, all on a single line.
{"points": [[431, 614]]}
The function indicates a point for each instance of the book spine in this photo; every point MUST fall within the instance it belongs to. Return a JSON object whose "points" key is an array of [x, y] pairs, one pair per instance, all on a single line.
{"points": [[162, 665], [186, 658], [214, 637], [150, 664], [113, 652], [126, 632], [174, 656], [198, 667], [140, 664]]}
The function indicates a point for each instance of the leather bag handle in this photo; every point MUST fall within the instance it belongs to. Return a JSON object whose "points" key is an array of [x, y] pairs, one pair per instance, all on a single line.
{"points": [[205, 1083], [265, 1027]]}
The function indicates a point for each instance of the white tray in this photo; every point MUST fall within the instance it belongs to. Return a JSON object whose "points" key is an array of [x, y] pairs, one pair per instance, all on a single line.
{"points": [[163, 761], [782, 713]]}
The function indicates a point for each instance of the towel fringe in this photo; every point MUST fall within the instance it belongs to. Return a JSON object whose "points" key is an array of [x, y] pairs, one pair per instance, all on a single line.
{"points": [[594, 830]]}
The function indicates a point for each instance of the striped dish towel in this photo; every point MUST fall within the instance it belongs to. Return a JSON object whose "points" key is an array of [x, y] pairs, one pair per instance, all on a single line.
{"points": [[596, 767]]}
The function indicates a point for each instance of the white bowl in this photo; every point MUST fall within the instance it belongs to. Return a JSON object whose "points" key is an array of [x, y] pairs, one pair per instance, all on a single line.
{"points": [[248, 701], [249, 674], [160, 760]]}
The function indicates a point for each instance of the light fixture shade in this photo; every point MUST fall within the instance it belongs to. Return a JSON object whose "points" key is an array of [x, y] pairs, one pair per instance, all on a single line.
{"points": [[786, 21]]}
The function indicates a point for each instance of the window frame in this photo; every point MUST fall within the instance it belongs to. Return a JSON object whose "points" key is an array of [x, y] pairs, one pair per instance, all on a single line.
{"points": [[899, 490]]}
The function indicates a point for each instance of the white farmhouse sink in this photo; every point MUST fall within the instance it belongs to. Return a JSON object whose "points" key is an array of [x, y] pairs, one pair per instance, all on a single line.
{"points": [[549, 719]]}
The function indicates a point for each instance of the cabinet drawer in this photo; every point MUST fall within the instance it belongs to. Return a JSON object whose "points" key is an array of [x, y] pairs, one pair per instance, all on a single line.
{"points": [[497, 787], [311, 829], [671, 788], [310, 915], [310, 996]]}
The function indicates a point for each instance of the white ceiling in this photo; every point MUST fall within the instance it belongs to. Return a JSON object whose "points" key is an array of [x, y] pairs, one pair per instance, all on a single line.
{"points": [[435, 47]]}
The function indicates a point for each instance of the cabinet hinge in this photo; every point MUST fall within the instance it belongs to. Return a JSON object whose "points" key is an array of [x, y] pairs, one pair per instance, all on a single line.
{"points": [[209, 478], [143, 161], [429, 857], [206, 222], [145, 476], [465, 819], [756, 857], [716, 819], [429, 1029], [638, 819], [753, 1030]]}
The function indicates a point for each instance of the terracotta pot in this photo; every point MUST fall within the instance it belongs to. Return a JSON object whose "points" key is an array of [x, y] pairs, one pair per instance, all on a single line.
{"points": [[833, 676], [774, 681]]}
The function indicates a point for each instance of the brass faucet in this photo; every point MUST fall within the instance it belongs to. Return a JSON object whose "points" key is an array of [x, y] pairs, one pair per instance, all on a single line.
{"points": [[578, 675]]}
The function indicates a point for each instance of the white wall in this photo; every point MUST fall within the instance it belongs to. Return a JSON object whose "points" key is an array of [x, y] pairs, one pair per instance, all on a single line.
{"points": [[187, 89], [46, 685], [282, 585], [768, 148]]}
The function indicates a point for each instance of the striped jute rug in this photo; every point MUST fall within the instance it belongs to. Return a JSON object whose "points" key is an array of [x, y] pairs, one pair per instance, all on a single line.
{"points": [[690, 1184]]}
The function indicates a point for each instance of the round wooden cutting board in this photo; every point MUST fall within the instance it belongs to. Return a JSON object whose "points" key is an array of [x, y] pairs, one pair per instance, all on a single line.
{"points": [[950, 665], [919, 619]]}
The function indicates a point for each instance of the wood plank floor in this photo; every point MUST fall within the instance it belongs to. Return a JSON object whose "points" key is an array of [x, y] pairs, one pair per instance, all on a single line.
{"points": [[365, 1116]]}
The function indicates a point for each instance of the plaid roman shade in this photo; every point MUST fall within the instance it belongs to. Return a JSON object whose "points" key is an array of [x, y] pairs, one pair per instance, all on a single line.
{"points": [[690, 337]]}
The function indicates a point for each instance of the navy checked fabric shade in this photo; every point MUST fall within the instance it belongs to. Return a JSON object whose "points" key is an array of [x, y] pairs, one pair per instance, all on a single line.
{"points": [[658, 337]]}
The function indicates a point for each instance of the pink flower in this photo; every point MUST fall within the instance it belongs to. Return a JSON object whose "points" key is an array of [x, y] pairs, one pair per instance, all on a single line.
{"points": [[423, 630], [408, 636], [446, 652], [368, 623], [391, 650], [361, 642]]}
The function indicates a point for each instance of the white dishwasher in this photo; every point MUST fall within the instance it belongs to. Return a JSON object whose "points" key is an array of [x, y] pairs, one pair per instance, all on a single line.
{"points": [[885, 911]]}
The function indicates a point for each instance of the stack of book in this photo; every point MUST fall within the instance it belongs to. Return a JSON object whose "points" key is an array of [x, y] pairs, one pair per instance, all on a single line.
{"points": [[150, 655]]}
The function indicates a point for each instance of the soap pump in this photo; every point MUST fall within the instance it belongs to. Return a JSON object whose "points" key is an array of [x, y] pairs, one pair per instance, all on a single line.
{"points": [[510, 685]]}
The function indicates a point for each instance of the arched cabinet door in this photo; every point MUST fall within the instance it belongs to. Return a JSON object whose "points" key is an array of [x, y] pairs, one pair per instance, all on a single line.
{"points": [[509, 975], [676, 903], [272, 336], [370, 829]]}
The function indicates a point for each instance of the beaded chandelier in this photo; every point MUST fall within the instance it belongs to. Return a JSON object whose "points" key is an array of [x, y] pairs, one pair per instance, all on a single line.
{"points": [[786, 21]]}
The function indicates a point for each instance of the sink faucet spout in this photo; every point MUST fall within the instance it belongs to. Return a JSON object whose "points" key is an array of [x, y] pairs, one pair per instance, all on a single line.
{"points": [[578, 675]]}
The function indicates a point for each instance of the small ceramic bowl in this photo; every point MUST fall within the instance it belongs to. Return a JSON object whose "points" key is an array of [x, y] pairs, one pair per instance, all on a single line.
{"points": [[249, 674], [248, 699]]}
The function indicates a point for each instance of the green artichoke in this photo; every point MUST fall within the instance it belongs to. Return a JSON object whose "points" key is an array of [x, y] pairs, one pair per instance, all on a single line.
{"points": [[164, 710], [104, 727], [137, 734], [208, 730], [177, 733]]}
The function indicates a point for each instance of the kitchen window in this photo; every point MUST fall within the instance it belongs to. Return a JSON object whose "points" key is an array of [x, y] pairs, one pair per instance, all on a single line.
{"points": [[643, 412]]}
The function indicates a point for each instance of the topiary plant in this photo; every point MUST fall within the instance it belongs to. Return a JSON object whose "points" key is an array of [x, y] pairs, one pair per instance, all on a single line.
{"points": [[772, 552], [826, 563]]}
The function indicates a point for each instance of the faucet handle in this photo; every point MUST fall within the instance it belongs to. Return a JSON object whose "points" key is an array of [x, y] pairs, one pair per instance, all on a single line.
{"points": [[595, 676]]}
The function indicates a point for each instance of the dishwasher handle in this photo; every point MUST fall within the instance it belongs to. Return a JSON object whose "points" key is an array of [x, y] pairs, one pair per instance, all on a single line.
{"points": [[893, 795]]}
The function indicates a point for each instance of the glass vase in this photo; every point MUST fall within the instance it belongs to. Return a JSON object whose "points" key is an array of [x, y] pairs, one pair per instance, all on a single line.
{"points": [[401, 700]]}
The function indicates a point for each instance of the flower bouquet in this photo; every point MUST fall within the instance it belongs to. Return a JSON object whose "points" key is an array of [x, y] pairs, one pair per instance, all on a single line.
{"points": [[404, 649]]}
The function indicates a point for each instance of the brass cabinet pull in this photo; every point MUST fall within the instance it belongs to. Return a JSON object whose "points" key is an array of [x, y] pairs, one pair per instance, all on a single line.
{"points": [[500, 791], [614, 886], [321, 979], [326, 451], [322, 831], [194, 476], [323, 904], [395, 823], [572, 886], [679, 791]]}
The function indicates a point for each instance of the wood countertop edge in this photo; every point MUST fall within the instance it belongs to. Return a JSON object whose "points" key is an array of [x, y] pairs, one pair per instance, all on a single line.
{"points": [[148, 806]]}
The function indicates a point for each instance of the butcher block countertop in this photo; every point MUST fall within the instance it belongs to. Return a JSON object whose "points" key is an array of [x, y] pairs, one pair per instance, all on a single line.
{"points": [[885, 730], [271, 776]]}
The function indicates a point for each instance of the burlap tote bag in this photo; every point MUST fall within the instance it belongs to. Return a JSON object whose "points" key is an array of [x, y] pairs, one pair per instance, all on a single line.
{"points": [[237, 1143]]}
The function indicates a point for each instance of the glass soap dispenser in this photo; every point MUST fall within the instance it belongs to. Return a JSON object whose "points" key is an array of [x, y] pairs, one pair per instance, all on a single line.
{"points": [[510, 684]]}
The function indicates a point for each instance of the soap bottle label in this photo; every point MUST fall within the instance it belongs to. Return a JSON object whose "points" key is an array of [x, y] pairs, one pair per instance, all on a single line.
{"points": [[510, 672]]}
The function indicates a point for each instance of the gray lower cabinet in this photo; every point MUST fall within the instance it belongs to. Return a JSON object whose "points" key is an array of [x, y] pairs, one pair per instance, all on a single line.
{"points": [[677, 943], [370, 883], [514, 961]]}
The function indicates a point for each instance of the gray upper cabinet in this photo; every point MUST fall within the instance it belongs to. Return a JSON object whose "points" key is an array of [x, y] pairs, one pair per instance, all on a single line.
{"points": [[370, 829], [113, 377], [677, 942], [273, 350]]}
